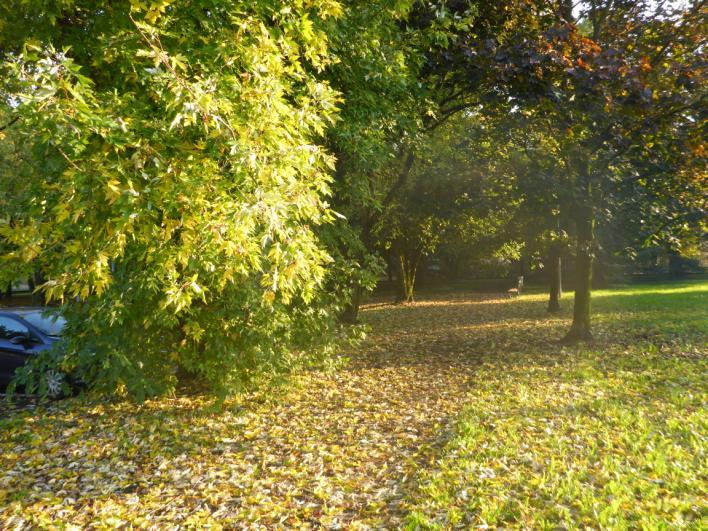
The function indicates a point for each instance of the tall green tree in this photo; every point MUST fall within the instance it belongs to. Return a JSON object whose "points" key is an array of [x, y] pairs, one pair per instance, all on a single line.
{"points": [[422, 76], [176, 181], [456, 201], [375, 68]]}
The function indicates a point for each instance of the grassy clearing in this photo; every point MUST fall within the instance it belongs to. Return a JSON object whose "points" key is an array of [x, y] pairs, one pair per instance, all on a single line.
{"points": [[611, 435], [459, 410]]}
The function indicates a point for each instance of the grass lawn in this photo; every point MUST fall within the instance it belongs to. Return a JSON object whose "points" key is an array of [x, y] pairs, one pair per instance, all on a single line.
{"points": [[611, 435], [461, 410]]}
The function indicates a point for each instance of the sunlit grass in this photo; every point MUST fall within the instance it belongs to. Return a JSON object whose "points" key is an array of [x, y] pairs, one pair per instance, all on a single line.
{"points": [[611, 435]]}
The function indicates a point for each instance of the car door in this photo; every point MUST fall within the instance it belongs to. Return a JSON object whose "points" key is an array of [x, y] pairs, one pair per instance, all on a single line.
{"points": [[13, 354]]}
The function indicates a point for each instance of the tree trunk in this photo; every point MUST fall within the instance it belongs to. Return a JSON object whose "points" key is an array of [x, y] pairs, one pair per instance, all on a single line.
{"points": [[580, 329], [367, 231], [390, 267], [556, 289], [350, 314], [400, 286], [36, 280], [408, 266], [6, 294], [675, 264]]}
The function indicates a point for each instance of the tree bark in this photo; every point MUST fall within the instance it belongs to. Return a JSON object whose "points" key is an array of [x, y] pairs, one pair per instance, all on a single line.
{"points": [[6, 294], [580, 329], [407, 269], [556, 289], [36, 280], [390, 267], [400, 286]]}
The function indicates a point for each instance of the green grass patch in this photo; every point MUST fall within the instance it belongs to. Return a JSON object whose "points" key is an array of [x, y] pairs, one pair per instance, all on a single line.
{"points": [[610, 435]]}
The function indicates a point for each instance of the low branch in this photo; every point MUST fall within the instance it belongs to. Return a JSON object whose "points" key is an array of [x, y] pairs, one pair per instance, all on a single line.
{"points": [[374, 218], [446, 115], [8, 124]]}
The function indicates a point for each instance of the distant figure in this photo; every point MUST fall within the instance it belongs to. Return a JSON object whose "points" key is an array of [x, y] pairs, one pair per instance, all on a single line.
{"points": [[517, 290]]}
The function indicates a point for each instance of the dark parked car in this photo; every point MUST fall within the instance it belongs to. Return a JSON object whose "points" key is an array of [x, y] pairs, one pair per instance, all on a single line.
{"points": [[25, 332]]}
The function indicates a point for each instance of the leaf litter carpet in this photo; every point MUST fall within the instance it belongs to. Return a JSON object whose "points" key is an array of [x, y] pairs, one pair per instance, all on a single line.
{"points": [[335, 450]]}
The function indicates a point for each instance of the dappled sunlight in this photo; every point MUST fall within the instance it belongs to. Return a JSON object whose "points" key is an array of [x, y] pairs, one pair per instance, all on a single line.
{"points": [[335, 448], [613, 435], [211, 205], [440, 301], [698, 288]]}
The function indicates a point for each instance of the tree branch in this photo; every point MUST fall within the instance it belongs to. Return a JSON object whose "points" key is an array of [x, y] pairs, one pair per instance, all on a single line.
{"points": [[449, 113], [372, 219], [8, 124], [402, 178]]}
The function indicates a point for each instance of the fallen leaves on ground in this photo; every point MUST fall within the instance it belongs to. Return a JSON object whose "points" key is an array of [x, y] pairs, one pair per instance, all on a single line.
{"points": [[343, 449], [336, 450]]}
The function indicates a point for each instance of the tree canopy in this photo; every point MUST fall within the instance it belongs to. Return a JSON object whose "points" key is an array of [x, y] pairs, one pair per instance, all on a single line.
{"points": [[208, 187]]}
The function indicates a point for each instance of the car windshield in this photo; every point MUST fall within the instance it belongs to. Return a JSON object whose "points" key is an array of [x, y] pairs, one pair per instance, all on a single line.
{"points": [[49, 324]]}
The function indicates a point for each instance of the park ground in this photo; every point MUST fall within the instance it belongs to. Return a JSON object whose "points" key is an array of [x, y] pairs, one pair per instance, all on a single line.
{"points": [[459, 411]]}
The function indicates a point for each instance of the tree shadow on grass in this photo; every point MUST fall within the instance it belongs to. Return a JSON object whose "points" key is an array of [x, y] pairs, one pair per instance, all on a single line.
{"points": [[464, 330], [345, 441], [468, 325]]}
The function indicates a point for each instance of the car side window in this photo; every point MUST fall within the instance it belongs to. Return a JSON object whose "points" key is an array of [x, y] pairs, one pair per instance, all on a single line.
{"points": [[10, 329]]}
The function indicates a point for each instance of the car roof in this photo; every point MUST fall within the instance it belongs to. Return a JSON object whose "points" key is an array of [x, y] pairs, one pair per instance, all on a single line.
{"points": [[23, 310]]}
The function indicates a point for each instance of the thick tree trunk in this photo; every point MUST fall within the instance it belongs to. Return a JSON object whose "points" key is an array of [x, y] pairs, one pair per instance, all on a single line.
{"points": [[556, 289], [580, 329]]}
